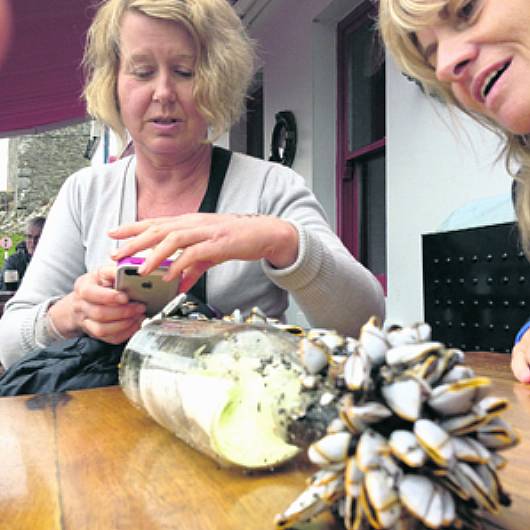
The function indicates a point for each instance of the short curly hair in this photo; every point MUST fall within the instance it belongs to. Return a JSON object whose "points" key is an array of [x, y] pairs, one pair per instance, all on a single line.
{"points": [[224, 68]]}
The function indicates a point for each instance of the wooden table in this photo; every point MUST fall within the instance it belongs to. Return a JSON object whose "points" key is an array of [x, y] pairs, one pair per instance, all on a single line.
{"points": [[89, 460], [515, 477]]}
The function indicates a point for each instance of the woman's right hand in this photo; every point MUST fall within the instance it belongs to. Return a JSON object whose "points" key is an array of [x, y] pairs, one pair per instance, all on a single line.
{"points": [[94, 307]]}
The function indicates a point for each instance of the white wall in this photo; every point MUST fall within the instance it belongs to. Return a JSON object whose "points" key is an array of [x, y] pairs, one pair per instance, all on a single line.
{"points": [[297, 45], [430, 170], [285, 50], [299, 74], [4, 145]]}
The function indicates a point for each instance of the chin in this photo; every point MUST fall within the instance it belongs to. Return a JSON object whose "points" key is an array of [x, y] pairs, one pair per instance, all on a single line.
{"points": [[164, 150], [521, 131], [516, 122], [164, 147], [517, 130]]}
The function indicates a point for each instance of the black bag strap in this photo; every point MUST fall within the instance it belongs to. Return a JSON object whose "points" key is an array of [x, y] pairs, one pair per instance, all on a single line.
{"points": [[218, 168]]}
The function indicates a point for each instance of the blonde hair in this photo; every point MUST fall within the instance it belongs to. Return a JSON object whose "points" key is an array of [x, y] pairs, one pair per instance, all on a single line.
{"points": [[399, 21], [224, 68]]}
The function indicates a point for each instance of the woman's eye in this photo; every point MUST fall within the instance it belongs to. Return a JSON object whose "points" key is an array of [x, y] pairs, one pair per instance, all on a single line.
{"points": [[143, 73], [466, 11], [183, 73]]}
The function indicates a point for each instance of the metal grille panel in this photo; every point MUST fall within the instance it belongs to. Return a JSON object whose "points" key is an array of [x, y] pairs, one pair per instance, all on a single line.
{"points": [[476, 287]]}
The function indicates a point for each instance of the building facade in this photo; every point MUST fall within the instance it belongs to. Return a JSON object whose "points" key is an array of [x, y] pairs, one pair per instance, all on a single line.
{"points": [[37, 166]]}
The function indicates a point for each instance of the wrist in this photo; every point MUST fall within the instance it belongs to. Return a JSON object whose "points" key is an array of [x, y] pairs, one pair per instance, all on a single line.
{"points": [[285, 251], [45, 331], [62, 318]]}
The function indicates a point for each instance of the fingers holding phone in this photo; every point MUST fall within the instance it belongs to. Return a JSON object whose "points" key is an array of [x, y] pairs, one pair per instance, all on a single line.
{"points": [[94, 307], [106, 313]]}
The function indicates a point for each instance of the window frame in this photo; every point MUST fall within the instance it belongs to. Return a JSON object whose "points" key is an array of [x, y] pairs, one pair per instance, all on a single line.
{"points": [[350, 215]]}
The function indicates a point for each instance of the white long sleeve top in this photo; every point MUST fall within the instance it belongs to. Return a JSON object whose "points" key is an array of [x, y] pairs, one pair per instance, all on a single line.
{"points": [[329, 285]]}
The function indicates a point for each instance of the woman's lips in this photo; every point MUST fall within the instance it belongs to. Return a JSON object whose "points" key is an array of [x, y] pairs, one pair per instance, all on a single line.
{"points": [[165, 121], [487, 80], [166, 124]]}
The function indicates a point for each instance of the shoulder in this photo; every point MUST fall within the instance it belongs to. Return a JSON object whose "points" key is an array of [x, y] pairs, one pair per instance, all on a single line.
{"points": [[94, 183], [259, 186], [245, 166], [101, 175]]}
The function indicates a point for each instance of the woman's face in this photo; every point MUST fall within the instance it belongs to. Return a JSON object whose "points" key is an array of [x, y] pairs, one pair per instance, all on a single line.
{"points": [[483, 52], [155, 83]]}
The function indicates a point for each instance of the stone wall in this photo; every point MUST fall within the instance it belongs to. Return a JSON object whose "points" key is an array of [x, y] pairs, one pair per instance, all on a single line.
{"points": [[38, 165]]}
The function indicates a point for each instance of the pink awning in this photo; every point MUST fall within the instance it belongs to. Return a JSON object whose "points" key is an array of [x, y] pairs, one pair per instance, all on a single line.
{"points": [[41, 78]]}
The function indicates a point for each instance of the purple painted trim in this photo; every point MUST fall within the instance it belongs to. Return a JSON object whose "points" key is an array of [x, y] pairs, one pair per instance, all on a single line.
{"points": [[348, 199], [135, 260], [346, 208], [382, 280], [367, 149]]}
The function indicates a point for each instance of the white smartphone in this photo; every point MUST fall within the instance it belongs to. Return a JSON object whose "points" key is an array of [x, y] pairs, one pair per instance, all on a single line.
{"points": [[151, 290]]}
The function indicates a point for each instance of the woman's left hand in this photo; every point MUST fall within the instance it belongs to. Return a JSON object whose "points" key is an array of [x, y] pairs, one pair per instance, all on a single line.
{"points": [[207, 239]]}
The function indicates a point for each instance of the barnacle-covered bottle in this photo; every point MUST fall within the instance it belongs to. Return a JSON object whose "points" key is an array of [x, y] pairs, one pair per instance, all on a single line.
{"points": [[229, 390]]}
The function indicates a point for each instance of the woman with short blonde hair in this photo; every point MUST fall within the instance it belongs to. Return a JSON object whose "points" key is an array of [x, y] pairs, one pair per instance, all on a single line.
{"points": [[172, 75], [225, 63]]}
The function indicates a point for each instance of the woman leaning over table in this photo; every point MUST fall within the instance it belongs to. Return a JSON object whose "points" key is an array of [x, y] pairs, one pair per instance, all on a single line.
{"points": [[476, 55], [173, 73]]}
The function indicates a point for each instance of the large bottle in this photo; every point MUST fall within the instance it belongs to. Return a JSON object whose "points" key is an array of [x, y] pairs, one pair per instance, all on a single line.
{"points": [[232, 391]]}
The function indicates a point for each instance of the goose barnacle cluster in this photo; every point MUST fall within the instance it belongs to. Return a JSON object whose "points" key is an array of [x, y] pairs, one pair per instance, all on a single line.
{"points": [[414, 438]]}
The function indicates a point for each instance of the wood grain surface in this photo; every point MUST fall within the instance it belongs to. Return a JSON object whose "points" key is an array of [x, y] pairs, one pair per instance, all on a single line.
{"points": [[90, 460], [515, 477]]}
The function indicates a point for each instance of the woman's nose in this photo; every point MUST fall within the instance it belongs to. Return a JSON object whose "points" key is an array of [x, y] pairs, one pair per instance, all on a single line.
{"points": [[453, 58], [164, 90]]}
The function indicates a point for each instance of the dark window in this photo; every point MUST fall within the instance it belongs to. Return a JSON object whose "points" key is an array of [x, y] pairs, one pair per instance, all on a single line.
{"points": [[361, 140], [255, 120]]}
